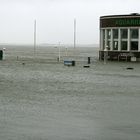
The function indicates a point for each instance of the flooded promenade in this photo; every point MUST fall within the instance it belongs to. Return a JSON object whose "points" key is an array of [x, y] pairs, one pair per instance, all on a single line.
{"points": [[41, 99]]}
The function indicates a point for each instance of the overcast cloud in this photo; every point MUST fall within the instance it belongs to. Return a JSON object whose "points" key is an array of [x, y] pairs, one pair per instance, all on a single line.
{"points": [[55, 19]]}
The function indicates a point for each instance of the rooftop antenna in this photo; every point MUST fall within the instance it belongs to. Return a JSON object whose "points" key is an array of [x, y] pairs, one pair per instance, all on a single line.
{"points": [[74, 32], [34, 38]]}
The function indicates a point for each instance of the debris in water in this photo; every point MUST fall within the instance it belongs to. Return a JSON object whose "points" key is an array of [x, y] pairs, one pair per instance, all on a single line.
{"points": [[129, 68], [86, 66]]}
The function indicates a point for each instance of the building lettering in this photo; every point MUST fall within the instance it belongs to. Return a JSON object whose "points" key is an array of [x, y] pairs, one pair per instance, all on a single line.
{"points": [[127, 22]]}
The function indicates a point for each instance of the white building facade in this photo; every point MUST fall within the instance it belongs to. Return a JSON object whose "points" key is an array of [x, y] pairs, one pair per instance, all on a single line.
{"points": [[120, 34]]}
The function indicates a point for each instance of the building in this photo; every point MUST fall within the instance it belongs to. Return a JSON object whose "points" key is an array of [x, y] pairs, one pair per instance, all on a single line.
{"points": [[120, 37]]}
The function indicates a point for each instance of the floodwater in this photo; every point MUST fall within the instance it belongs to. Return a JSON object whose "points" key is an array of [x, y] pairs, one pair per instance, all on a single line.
{"points": [[41, 99]]}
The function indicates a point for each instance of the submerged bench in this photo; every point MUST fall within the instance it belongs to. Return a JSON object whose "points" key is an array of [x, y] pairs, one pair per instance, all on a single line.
{"points": [[69, 62]]}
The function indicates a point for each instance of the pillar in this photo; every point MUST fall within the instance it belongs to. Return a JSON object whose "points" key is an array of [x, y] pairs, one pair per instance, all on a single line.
{"points": [[139, 41], [119, 40], [128, 41], [105, 38], [111, 40], [101, 39]]}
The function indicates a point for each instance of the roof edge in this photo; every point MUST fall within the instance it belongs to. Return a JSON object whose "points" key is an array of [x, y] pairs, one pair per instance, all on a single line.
{"points": [[117, 16]]}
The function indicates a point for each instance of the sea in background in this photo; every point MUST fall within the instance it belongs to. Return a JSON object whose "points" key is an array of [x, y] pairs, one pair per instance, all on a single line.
{"points": [[41, 99]]}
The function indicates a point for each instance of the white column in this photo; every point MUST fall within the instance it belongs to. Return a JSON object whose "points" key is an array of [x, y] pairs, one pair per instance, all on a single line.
{"points": [[105, 38], [101, 39], [119, 40], [128, 41], [139, 41], [111, 40]]}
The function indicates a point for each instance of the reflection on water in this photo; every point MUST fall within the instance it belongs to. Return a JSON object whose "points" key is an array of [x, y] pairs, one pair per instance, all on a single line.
{"points": [[48, 101]]}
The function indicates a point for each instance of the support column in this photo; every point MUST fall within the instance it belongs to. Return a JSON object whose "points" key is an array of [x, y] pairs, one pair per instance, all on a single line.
{"points": [[139, 41], [128, 41], [101, 39], [111, 40], [105, 38], [119, 40]]}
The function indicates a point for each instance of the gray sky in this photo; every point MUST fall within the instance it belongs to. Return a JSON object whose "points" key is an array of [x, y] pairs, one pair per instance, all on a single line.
{"points": [[55, 19]]}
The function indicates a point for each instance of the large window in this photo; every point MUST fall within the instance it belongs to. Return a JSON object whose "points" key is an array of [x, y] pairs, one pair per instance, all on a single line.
{"points": [[115, 39], [121, 39], [124, 33], [108, 44], [123, 45], [115, 33], [103, 34], [108, 34], [115, 45], [134, 33], [103, 39], [134, 45]]}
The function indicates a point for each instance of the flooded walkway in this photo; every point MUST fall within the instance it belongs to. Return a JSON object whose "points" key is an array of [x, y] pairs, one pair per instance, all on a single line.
{"points": [[44, 101]]}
